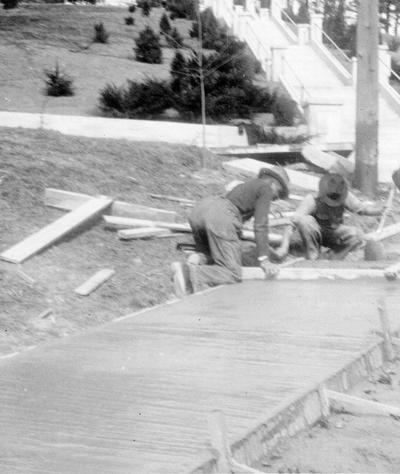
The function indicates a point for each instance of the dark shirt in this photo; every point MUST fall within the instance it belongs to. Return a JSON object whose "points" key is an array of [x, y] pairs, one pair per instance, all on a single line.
{"points": [[253, 198]]}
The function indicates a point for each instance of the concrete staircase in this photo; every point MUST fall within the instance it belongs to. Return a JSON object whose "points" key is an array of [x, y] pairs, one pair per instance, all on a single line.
{"points": [[320, 83]]}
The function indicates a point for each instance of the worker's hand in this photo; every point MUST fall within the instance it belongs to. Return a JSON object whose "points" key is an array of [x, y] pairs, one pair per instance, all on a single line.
{"points": [[270, 269]]}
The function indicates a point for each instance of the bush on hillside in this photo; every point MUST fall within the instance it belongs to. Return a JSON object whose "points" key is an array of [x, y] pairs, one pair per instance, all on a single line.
{"points": [[100, 33], [146, 99], [148, 49], [9, 4], [132, 8], [285, 110], [57, 83], [165, 25], [174, 39], [177, 71], [182, 9], [213, 34], [129, 20], [146, 8], [393, 43], [112, 100]]}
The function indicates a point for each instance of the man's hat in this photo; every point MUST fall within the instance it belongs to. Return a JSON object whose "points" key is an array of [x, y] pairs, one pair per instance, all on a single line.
{"points": [[278, 173], [333, 189]]}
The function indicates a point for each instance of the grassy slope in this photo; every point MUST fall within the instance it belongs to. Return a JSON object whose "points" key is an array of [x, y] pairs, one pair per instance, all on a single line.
{"points": [[33, 160], [35, 36]]}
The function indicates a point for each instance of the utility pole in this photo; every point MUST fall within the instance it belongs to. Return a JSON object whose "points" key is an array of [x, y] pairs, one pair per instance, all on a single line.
{"points": [[202, 90], [367, 100]]}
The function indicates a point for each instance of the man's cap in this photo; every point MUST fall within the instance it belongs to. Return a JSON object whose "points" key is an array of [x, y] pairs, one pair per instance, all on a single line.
{"points": [[333, 189], [278, 173]]}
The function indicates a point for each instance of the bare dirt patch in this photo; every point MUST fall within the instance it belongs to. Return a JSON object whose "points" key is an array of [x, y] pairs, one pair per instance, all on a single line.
{"points": [[30, 161]]}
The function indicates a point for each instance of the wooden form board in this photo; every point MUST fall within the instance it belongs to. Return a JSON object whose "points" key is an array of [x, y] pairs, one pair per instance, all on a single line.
{"points": [[326, 161], [273, 148], [256, 273], [142, 233], [69, 201], [94, 282], [385, 233], [57, 229], [251, 167], [114, 222]]}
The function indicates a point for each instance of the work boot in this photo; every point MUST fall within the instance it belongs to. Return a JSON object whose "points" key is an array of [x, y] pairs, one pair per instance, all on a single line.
{"points": [[197, 258], [181, 279]]}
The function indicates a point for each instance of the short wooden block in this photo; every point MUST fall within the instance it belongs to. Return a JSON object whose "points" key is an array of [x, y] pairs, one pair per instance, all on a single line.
{"points": [[94, 282]]}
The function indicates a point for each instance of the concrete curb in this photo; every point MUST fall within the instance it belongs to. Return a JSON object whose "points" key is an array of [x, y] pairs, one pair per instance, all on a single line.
{"points": [[301, 412]]}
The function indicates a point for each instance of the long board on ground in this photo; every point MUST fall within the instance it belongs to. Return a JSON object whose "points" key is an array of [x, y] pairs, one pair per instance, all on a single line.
{"points": [[327, 161], [250, 167], [115, 222], [265, 149], [256, 273], [68, 201], [56, 230]]}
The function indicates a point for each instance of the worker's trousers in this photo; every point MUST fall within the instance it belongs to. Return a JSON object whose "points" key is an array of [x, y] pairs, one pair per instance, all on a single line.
{"points": [[340, 240], [216, 224]]}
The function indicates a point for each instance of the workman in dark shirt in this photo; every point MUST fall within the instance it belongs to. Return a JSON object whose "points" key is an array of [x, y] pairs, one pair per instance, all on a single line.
{"points": [[216, 223]]}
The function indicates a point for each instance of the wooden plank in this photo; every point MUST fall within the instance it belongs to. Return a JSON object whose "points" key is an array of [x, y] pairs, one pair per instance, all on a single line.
{"points": [[116, 222], [385, 233], [387, 339], [94, 282], [256, 273], [173, 199], [142, 233], [251, 167], [68, 201], [361, 405], [263, 149], [326, 161], [57, 229]]}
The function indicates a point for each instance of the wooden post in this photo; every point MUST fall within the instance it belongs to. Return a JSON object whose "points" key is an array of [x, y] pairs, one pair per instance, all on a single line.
{"points": [[366, 170], [390, 352]]}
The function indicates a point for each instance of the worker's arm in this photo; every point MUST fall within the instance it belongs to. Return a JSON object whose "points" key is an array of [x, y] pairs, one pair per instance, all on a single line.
{"points": [[354, 204], [306, 207]]}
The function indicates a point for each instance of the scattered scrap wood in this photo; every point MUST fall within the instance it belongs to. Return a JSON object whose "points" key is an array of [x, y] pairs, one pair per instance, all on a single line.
{"points": [[143, 233], [332, 162], [385, 233], [115, 222], [189, 202], [360, 405], [256, 273], [251, 167], [57, 229], [94, 282], [69, 201]]}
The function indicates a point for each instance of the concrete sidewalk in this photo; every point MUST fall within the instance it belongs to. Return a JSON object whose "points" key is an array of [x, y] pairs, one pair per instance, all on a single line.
{"points": [[134, 130], [133, 396]]}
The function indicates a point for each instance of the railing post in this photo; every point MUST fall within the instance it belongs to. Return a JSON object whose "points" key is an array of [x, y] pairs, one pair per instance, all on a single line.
{"points": [[354, 70], [277, 55], [276, 8], [265, 13], [316, 20], [303, 33], [385, 63]]}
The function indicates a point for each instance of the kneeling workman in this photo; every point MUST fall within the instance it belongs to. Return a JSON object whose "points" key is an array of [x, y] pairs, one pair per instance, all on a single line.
{"points": [[216, 223], [319, 219]]}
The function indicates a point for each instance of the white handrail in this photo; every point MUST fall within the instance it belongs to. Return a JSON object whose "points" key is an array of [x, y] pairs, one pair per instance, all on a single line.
{"points": [[333, 44], [289, 18], [392, 72]]}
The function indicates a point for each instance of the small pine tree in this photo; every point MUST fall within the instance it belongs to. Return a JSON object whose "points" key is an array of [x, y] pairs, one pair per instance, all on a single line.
{"points": [[9, 4], [177, 71], [175, 40], [100, 33], [132, 8], [165, 25], [57, 83], [148, 48], [146, 8], [129, 20], [303, 15]]}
